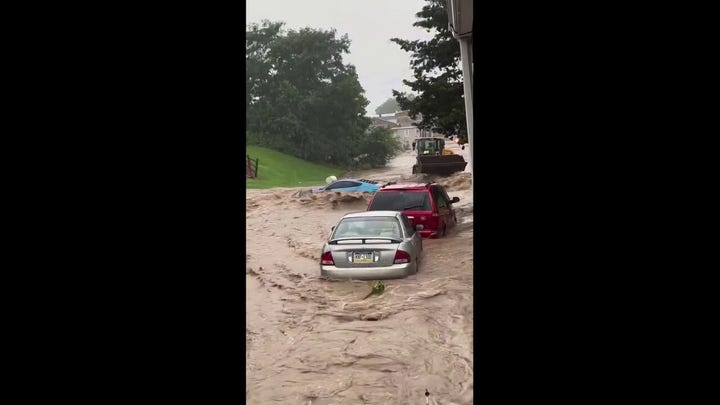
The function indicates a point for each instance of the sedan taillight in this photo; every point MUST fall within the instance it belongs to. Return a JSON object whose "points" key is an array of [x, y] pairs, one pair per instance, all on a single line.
{"points": [[327, 258], [401, 257]]}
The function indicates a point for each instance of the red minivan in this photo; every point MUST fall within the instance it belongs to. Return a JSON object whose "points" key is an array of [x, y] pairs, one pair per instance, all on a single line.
{"points": [[424, 204]]}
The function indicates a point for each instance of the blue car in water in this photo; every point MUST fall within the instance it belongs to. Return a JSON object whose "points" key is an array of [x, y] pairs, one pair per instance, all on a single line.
{"points": [[350, 185]]}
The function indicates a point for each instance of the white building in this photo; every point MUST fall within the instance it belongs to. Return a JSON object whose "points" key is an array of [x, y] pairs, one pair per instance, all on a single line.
{"points": [[403, 127]]}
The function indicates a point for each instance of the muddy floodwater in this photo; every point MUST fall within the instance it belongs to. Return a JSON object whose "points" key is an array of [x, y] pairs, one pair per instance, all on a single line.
{"points": [[316, 341]]}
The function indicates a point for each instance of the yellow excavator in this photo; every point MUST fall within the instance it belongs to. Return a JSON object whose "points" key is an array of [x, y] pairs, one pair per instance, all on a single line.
{"points": [[434, 158]]}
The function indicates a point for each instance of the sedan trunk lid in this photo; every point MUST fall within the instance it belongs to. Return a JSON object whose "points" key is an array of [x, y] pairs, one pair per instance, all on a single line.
{"points": [[375, 252]]}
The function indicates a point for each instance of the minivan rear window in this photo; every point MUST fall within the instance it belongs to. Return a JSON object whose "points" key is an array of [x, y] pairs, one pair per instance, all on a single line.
{"points": [[401, 201]]}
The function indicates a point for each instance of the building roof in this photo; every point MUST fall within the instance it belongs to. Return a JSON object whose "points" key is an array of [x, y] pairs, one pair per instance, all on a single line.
{"points": [[379, 122], [393, 118], [376, 119], [388, 117]]}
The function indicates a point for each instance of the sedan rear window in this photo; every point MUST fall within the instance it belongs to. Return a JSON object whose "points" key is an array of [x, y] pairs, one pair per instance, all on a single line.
{"points": [[368, 227], [401, 201]]}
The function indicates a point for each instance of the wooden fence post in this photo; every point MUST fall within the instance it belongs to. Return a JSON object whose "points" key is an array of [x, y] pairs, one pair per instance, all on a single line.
{"points": [[252, 167]]}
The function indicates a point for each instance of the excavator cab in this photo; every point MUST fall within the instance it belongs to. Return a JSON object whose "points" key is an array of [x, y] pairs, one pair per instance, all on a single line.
{"points": [[429, 146], [434, 158]]}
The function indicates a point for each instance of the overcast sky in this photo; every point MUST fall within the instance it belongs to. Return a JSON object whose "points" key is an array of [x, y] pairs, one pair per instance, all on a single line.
{"points": [[381, 64]]}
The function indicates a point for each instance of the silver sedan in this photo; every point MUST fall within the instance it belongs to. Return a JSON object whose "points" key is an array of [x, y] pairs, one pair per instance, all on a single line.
{"points": [[372, 245]]}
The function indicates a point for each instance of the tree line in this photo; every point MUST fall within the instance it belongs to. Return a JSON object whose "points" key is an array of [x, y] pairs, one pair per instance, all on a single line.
{"points": [[302, 100], [438, 75]]}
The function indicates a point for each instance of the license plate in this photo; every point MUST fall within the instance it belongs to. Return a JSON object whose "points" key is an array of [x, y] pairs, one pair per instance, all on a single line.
{"points": [[363, 257]]}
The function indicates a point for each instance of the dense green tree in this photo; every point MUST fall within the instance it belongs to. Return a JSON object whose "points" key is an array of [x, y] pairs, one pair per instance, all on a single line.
{"points": [[302, 99], [379, 145], [437, 73], [389, 106]]}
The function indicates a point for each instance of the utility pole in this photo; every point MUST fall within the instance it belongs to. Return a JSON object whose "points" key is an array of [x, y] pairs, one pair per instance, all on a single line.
{"points": [[466, 58], [460, 23]]}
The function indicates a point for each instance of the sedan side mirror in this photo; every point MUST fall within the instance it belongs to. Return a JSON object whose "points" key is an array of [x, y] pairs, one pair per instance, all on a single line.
{"points": [[455, 199], [419, 227], [332, 229]]}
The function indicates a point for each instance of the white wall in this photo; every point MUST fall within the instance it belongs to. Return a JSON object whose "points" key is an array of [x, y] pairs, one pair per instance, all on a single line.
{"points": [[406, 135]]}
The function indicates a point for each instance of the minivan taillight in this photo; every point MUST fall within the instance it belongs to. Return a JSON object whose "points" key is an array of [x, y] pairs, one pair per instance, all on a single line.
{"points": [[326, 258], [401, 257]]}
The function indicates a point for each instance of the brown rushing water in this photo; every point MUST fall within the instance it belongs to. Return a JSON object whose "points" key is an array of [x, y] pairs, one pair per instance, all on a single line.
{"points": [[316, 341]]}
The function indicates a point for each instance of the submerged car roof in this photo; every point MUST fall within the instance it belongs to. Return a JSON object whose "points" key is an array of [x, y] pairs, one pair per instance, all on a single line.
{"points": [[372, 214], [360, 180]]}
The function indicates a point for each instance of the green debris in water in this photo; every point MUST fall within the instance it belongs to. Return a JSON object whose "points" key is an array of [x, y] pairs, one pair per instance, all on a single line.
{"points": [[377, 288]]}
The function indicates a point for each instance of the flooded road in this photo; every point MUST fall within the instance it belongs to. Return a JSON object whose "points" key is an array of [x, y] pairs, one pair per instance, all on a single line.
{"points": [[316, 341]]}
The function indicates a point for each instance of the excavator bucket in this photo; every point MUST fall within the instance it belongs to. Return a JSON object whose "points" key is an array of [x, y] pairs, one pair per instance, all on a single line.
{"points": [[443, 165]]}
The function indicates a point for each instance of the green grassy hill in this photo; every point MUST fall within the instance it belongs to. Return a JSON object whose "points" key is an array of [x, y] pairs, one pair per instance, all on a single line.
{"points": [[280, 170]]}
